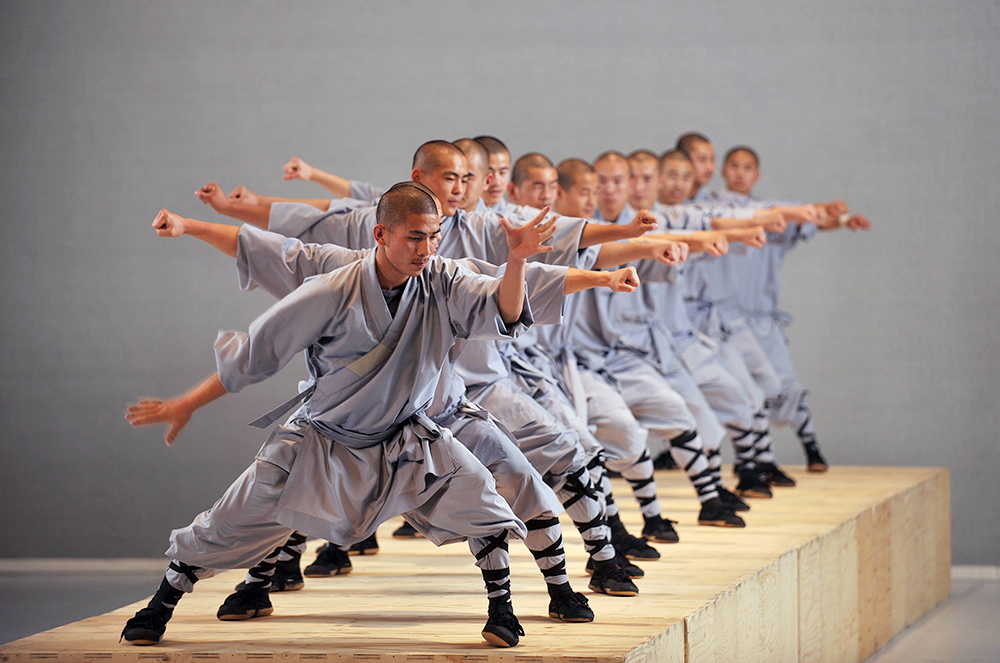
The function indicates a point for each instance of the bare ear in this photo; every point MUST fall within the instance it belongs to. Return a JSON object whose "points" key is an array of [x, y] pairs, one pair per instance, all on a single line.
{"points": [[416, 175], [512, 192], [379, 232]]}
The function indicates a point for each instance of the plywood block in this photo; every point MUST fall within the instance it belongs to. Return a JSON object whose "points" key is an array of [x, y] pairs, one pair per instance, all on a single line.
{"points": [[810, 580], [749, 620], [727, 610], [701, 641], [898, 507], [880, 562], [867, 587]]}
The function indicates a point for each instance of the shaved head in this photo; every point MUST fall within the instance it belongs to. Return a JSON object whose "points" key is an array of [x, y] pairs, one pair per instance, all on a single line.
{"points": [[403, 200], [743, 148], [677, 154], [570, 171], [476, 153], [529, 160], [611, 157], [643, 156], [433, 154], [493, 145], [687, 141]]}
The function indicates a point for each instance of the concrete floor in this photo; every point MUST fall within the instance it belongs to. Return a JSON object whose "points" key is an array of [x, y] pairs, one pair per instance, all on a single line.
{"points": [[963, 628]]}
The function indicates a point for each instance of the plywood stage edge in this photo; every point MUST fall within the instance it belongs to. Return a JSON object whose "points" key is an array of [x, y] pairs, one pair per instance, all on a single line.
{"points": [[829, 570]]}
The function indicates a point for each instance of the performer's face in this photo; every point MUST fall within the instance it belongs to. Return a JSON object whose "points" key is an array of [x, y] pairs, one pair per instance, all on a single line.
{"points": [[703, 159], [538, 189], [740, 172], [447, 181], [408, 246], [645, 183], [678, 177], [580, 199], [475, 179], [500, 171], [612, 184]]}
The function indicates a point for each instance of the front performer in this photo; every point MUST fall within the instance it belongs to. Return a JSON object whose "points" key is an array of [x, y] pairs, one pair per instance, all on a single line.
{"points": [[376, 334]]}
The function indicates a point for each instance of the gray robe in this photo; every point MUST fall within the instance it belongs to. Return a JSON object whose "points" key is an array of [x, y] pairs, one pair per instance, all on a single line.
{"points": [[360, 450]]}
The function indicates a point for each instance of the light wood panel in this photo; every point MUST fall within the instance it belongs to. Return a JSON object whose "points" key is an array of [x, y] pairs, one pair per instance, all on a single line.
{"points": [[827, 571]]}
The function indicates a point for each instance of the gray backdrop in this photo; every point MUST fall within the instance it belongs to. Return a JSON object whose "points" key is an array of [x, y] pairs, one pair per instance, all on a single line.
{"points": [[111, 110]]}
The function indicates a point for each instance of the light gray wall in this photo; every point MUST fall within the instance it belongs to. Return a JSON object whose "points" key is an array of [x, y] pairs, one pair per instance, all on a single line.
{"points": [[111, 110]]}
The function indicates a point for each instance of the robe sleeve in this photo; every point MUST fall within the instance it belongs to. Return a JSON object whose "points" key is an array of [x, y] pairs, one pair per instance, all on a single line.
{"points": [[349, 224], [365, 191], [284, 330], [473, 304], [543, 284], [280, 264]]}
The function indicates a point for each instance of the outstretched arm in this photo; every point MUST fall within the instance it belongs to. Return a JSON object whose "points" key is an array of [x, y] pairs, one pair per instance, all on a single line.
{"points": [[223, 237], [176, 411], [624, 280], [245, 195], [297, 169], [754, 236], [522, 243], [773, 220], [835, 215], [601, 233], [661, 248], [211, 195], [711, 242]]}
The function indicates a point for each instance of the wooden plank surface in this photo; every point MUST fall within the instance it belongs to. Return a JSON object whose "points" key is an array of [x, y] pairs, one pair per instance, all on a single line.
{"points": [[822, 572]]}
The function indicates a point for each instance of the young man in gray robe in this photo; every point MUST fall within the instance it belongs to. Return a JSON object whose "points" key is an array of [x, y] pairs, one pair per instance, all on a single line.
{"points": [[361, 450]]}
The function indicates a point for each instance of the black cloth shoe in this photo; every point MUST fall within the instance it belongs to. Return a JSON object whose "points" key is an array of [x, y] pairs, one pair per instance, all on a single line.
{"points": [[659, 529], [814, 459], [407, 531], [715, 513], [664, 462], [752, 485], [331, 561], [772, 474], [146, 627], [367, 547], [635, 548], [732, 500], [568, 606], [631, 569], [611, 579], [502, 627], [246, 603]]}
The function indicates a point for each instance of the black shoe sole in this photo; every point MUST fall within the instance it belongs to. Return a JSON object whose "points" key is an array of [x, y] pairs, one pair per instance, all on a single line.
{"points": [[602, 590], [755, 493], [334, 572], [287, 587], [657, 540], [720, 523], [494, 639], [570, 620], [144, 642], [371, 551], [239, 617]]}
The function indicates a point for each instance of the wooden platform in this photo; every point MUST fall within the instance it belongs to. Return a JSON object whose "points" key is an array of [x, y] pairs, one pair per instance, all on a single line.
{"points": [[827, 571]]}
